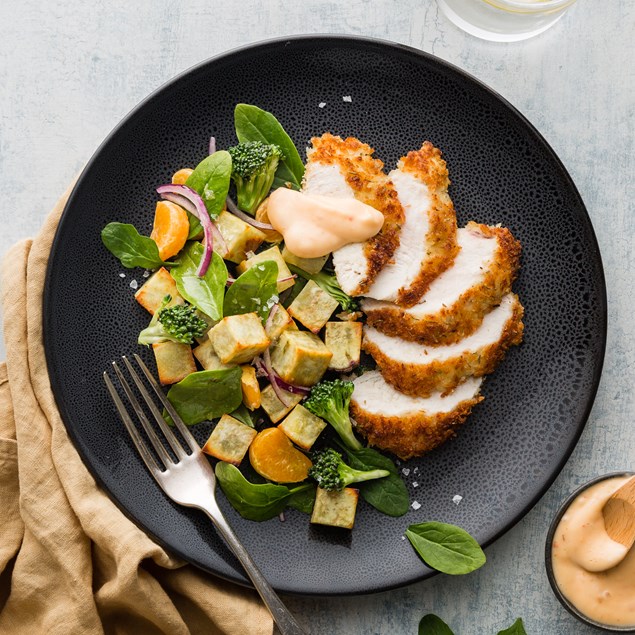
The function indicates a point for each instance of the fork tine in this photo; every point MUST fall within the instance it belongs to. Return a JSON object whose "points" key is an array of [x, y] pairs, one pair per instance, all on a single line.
{"points": [[169, 435], [183, 429], [154, 439], [148, 459]]}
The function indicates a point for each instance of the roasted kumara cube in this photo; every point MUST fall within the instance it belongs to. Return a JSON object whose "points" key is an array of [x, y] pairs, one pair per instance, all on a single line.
{"points": [[250, 387], [239, 237], [280, 321], [313, 306], [239, 338], [302, 427], [155, 288], [270, 254], [229, 440], [274, 408], [208, 358], [310, 265], [344, 340], [300, 357], [174, 361], [336, 509]]}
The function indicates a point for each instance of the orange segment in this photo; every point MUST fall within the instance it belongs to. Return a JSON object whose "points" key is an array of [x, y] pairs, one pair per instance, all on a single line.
{"points": [[170, 230], [273, 456], [181, 176]]}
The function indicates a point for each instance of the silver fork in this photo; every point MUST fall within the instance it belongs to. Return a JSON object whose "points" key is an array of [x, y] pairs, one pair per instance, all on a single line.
{"points": [[190, 480]]}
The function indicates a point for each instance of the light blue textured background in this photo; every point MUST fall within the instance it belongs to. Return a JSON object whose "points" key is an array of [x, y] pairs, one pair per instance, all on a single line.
{"points": [[70, 71]]}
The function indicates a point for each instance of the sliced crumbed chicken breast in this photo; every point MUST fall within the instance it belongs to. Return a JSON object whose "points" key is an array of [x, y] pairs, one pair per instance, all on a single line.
{"points": [[420, 370], [427, 240], [456, 301], [409, 426], [345, 168]]}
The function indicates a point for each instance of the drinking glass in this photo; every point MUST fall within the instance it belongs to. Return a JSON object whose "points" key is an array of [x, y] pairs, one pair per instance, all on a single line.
{"points": [[504, 20]]}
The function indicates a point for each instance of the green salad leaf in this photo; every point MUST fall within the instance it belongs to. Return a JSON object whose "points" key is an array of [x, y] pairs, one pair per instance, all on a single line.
{"points": [[303, 500], [207, 394], [254, 501], [517, 628], [211, 179], [446, 548], [132, 249], [254, 124], [243, 415], [206, 293], [388, 495], [255, 291], [430, 624]]}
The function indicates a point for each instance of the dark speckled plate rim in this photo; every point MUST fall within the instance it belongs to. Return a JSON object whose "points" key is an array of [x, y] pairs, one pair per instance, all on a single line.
{"points": [[315, 40]]}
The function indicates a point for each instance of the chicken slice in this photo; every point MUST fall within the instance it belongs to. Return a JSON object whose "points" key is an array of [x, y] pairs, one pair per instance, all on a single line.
{"points": [[420, 370], [409, 426], [427, 240], [345, 168], [457, 301]]}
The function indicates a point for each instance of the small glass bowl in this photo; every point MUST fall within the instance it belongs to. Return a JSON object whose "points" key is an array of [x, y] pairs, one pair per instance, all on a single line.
{"points": [[607, 628]]}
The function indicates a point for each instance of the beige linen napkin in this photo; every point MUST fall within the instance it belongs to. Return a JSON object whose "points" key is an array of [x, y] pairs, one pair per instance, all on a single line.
{"points": [[70, 561]]}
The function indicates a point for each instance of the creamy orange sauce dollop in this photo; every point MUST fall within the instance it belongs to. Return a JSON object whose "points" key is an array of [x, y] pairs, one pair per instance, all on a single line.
{"points": [[595, 573], [314, 225]]}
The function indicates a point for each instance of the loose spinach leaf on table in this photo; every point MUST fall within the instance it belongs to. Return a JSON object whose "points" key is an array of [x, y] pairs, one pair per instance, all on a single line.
{"points": [[207, 394], [254, 501], [255, 291], [446, 548], [211, 179], [254, 124], [132, 249], [517, 628], [205, 293], [388, 495], [430, 624]]}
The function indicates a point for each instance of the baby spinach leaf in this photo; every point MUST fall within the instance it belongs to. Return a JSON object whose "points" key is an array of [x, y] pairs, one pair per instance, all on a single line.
{"points": [[430, 624], [517, 628], [243, 415], [251, 501], [388, 495], [303, 500], [132, 249], [254, 124], [255, 291], [211, 179], [205, 293], [446, 548], [207, 394]]}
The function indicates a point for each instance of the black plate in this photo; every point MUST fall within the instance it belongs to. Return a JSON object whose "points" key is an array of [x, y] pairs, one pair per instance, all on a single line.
{"points": [[502, 171]]}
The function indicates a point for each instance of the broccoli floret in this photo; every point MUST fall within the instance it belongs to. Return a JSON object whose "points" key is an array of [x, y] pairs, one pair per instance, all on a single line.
{"points": [[329, 400], [328, 282], [331, 473], [254, 165], [178, 323]]}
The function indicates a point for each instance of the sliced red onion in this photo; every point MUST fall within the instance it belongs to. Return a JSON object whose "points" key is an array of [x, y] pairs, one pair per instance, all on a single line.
{"points": [[230, 281], [292, 388], [196, 207], [273, 379], [212, 145], [189, 199], [233, 208], [274, 310]]}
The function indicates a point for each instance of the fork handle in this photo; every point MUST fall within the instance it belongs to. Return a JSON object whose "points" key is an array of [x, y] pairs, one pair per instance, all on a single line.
{"points": [[286, 623]]}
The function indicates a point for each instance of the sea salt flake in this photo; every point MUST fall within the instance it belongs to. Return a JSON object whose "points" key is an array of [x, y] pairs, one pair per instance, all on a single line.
{"points": [[415, 484], [456, 499], [122, 275], [405, 471], [322, 104], [146, 273], [415, 505], [347, 98], [403, 537], [134, 284]]}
